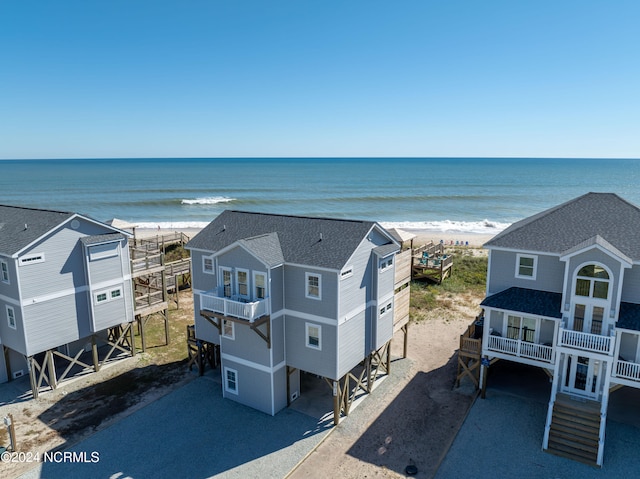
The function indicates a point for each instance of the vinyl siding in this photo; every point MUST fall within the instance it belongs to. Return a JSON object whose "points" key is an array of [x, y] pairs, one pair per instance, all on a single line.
{"points": [[105, 269], [10, 289], [631, 285], [247, 345], [204, 329], [12, 338], [549, 274], [280, 389], [254, 386], [111, 313], [295, 292], [355, 290], [352, 344], [276, 290], [55, 322], [201, 281], [277, 339], [300, 356], [384, 330]]}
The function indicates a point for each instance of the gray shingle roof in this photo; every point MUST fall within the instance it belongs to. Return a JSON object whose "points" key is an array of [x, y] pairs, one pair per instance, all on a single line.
{"points": [[322, 242], [19, 227], [265, 247], [529, 301], [105, 238], [562, 227]]}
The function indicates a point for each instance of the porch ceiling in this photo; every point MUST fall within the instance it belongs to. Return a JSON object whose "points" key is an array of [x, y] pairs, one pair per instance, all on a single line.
{"points": [[530, 301]]}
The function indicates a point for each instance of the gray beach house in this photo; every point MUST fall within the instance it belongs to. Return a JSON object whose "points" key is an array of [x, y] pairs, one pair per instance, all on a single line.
{"points": [[563, 295], [280, 295], [65, 288]]}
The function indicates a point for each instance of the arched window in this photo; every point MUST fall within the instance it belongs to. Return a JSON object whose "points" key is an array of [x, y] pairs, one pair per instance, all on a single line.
{"points": [[592, 281]]}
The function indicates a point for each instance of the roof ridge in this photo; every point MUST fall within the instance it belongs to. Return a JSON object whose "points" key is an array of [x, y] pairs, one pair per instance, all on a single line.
{"points": [[325, 218], [36, 209]]}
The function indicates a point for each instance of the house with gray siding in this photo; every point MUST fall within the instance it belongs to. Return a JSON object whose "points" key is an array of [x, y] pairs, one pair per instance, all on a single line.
{"points": [[280, 295], [563, 295], [65, 282]]}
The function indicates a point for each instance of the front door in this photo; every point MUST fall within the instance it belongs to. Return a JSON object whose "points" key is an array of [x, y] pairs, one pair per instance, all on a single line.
{"points": [[582, 376]]}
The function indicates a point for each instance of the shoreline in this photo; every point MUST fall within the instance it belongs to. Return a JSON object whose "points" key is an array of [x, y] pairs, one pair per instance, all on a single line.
{"points": [[423, 236]]}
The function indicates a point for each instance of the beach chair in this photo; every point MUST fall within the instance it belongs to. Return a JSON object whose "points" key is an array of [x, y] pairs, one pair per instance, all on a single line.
{"points": [[424, 259]]}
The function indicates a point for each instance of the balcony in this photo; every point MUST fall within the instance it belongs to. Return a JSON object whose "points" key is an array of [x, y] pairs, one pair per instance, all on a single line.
{"points": [[521, 349], [595, 343], [234, 306], [627, 370]]}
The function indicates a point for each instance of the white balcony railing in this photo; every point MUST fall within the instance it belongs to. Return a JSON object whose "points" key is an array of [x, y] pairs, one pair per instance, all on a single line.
{"points": [[586, 341], [523, 349], [236, 307], [627, 370]]}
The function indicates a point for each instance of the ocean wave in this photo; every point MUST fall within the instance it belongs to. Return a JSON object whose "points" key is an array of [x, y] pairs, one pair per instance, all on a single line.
{"points": [[451, 226], [213, 200]]}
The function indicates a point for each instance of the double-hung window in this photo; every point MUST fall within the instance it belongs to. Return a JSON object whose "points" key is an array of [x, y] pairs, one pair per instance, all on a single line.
{"points": [[228, 329], [313, 286], [11, 317], [207, 265], [231, 380], [4, 271], [314, 336], [526, 266]]}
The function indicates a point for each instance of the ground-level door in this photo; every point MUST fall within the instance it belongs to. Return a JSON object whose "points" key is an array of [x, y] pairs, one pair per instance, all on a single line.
{"points": [[582, 376]]}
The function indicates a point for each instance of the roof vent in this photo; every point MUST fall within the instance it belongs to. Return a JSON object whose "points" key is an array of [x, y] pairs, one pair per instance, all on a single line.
{"points": [[25, 226], [320, 236]]}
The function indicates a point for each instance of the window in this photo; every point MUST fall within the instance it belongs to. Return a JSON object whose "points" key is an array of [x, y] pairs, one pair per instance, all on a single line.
{"points": [[385, 263], [385, 309], [4, 271], [526, 266], [32, 259], [347, 273], [314, 286], [207, 265], [592, 281], [112, 294], [11, 317], [228, 329], [260, 282], [242, 277], [231, 380], [226, 282], [314, 336]]}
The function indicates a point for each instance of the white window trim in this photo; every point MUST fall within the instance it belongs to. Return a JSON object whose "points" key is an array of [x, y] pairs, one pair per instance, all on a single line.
{"points": [[11, 313], [237, 285], [306, 285], [213, 266], [226, 381], [346, 273], [31, 259], [109, 293], [307, 328], [231, 336], [535, 266], [255, 283], [386, 263], [4, 270]]}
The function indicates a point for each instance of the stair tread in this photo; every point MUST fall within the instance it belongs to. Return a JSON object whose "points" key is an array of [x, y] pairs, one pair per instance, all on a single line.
{"points": [[593, 421], [570, 442], [591, 461], [565, 430]]}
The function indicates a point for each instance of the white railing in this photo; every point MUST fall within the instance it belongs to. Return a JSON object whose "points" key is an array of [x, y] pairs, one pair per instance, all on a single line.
{"points": [[235, 307], [586, 341], [627, 370], [522, 349]]}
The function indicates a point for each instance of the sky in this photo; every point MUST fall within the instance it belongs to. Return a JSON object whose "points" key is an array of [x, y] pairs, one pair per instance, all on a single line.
{"points": [[334, 78]]}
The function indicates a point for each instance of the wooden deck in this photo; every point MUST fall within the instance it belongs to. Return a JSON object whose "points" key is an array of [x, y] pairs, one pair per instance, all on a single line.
{"points": [[431, 262]]}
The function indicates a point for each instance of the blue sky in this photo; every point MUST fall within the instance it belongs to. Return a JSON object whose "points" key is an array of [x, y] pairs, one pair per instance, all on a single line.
{"points": [[233, 78]]}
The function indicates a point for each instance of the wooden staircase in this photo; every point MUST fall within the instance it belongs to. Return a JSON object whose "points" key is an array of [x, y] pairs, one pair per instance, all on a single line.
{"points": [[575, 429]]}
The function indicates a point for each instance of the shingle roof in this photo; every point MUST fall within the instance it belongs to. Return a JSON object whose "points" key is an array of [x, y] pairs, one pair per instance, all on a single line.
{"points": [[265, 247], [323, 242], [529, 301], [562, 227], [19, 227], [105, 238], [629, 317]]}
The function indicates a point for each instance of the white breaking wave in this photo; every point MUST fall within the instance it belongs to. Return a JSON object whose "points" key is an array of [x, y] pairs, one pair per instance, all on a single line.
{"points": [[444, 226], [208, 201]]}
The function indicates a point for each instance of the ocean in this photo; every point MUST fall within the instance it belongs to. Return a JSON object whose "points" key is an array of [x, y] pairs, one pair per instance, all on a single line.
{"points": [[461, 195]]}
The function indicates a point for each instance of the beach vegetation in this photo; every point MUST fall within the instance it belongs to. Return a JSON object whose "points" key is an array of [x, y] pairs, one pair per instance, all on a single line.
{"points": [[465, 284], [175, 252]]}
